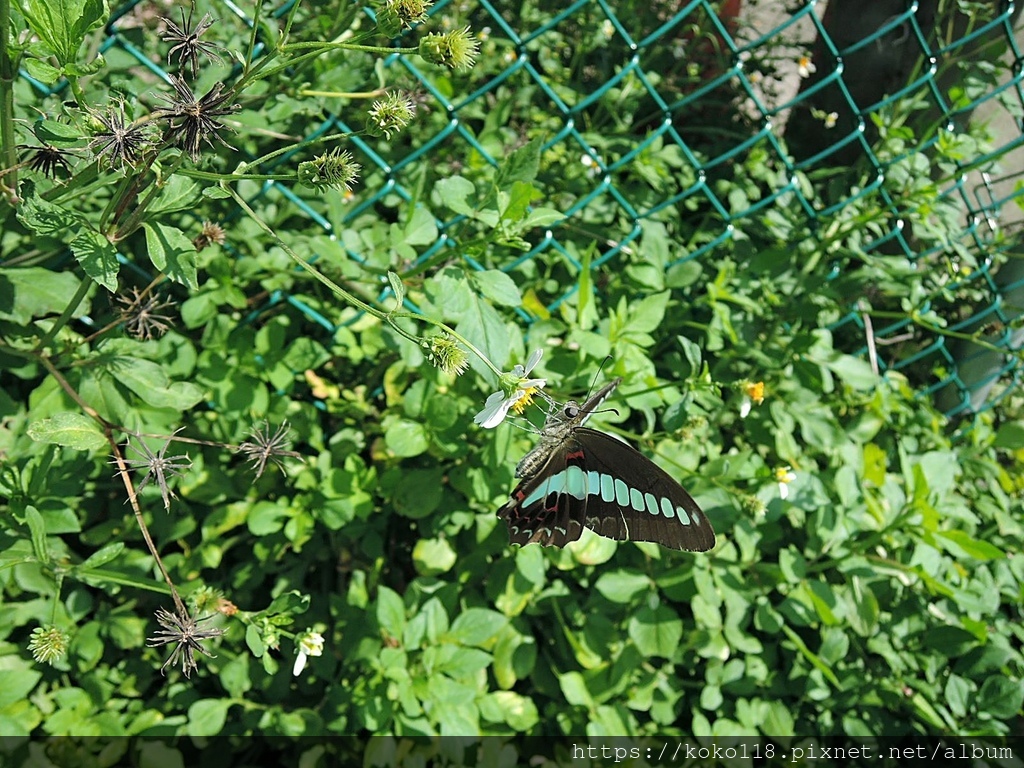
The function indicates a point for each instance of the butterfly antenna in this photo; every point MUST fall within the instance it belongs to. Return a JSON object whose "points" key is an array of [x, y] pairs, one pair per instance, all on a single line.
{"points": [[597, 376], [552, 403]]}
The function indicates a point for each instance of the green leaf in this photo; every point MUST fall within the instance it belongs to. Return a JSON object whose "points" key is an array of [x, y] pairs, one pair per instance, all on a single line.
{"points": [[98, 257], [574, 688], [958, 695], [49, 219], [433, 556], [514, 657], [42, 70], [398, 288], [1001, 697], [646, 315], [497, 286], [267, 517], [453, 705], [586, 308], [656, 631], [61, 520], [541, 217], [965, 545], [623, 586], [390, 612], [172, 253], [475, 626], [406, 438], [418, 492], [483, 327], [207, 716], [454, 192], [820, 665], [514, 203], [512, 708], [1010, 436], [464, 662], [254, 640], [692, 353], [854, 371], [179, 193], [37, 530], [288, 602], [63, 24], [148, 380], [103, 556], [421, 228], [72, 430], [57, 133], [864, 619], [18, 683], [521, 165]]}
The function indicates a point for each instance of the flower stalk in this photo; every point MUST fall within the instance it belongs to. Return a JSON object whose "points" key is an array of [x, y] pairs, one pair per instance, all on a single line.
{"points": [[390, 318]]}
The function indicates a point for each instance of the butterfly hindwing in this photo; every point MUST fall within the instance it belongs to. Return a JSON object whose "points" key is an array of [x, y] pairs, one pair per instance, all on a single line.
{"points": [[550, 506], [579, 477]]}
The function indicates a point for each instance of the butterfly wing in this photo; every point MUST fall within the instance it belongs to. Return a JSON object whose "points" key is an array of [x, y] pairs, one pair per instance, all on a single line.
{"points": [[593, 480], [631, 497], [549, 506]]}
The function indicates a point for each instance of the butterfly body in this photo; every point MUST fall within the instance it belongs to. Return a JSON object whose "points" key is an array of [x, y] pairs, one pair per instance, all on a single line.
{"points": [[576, 478]]}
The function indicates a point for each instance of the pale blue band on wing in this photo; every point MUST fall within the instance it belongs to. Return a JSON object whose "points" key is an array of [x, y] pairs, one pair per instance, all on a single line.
{"points": [[578, 483]]}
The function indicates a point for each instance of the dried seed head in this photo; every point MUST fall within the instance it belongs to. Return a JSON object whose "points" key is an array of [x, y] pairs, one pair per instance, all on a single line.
{"points": [[184, 631], [188, 46], [193, 121]]}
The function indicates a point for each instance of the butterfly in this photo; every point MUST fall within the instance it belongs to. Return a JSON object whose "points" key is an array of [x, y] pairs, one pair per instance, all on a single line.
{"points": [[576, 478]]}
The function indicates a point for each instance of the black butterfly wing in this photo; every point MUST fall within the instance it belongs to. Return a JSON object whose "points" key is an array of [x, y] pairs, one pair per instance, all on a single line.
{"points": [[542, 510], [593, 480], [638, 500]]}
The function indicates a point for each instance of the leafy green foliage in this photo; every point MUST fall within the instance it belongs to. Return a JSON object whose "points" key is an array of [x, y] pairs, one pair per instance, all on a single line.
{"points": [[867, 578]]}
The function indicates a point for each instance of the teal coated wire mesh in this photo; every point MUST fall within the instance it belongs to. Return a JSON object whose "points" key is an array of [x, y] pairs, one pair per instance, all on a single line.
{"points": [[804, 85]]}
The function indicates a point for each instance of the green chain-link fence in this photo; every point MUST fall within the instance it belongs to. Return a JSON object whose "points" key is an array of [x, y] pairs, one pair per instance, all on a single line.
{"points": [[798, 88]]}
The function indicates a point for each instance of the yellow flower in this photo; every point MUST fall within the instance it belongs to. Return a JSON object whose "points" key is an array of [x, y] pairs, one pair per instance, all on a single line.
{"points": [[753, 394], [525, 399]]}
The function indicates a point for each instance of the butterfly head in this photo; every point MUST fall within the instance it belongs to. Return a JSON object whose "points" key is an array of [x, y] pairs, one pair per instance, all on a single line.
{"points": [[560, 415]]}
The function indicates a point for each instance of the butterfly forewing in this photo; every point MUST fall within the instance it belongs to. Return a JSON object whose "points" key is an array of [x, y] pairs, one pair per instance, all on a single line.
{"points": [[578, 477]]}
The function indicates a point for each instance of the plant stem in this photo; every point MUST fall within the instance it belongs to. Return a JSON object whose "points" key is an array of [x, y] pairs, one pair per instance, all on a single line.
{"points": [[386, 317], [7, 74], [345, 94], [135, 217], [83, 288], [321, 47], [122, 470]]}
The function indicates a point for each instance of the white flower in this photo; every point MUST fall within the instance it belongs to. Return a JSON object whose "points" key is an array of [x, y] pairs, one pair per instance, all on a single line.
{"points": [[592, 163], [805, 67], [516, 393], [785, 476], [310, 644], [831, 119]]}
